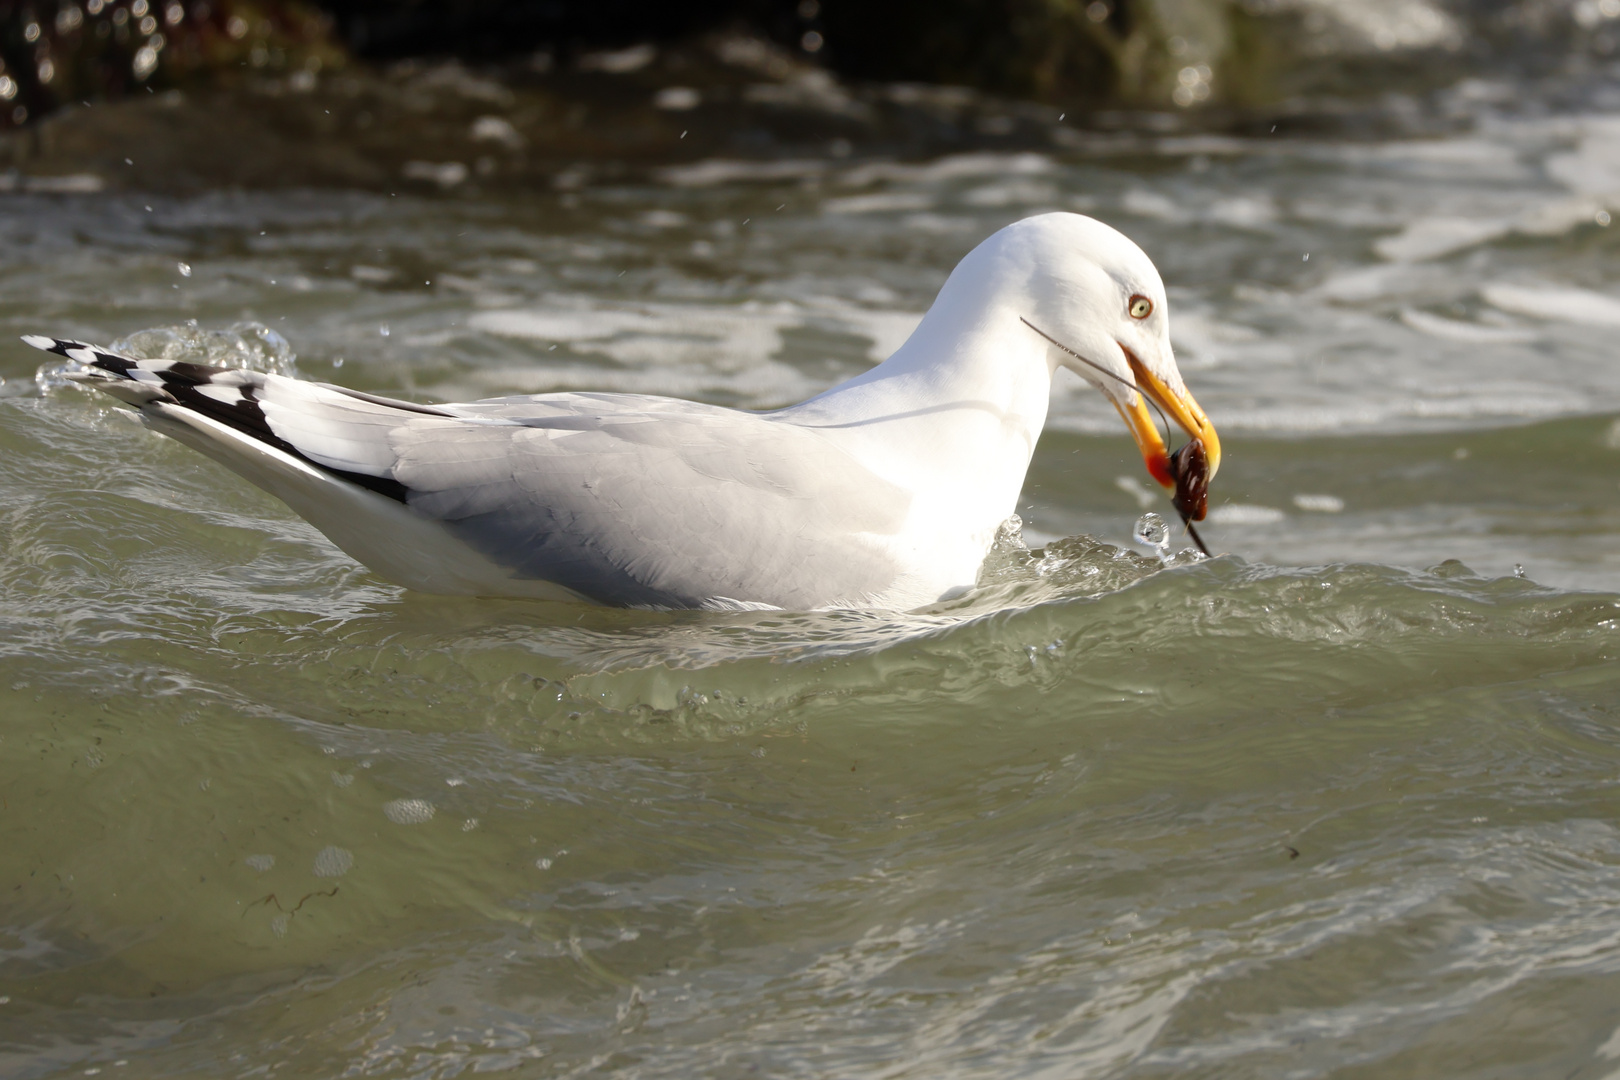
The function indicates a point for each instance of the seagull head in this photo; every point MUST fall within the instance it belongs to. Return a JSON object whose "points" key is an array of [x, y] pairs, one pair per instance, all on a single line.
{"points": [[1098, 301]]}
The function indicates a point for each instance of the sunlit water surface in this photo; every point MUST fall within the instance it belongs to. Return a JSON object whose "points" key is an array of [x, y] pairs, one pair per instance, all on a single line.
{"points": [[1344, 801]]}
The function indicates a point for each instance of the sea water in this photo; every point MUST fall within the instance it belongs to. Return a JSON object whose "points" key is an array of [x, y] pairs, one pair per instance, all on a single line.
{"points": [[1342, 800]]}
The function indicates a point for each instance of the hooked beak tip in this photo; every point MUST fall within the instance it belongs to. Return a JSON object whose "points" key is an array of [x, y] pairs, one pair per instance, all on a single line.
{"points": [[1180, 407]]}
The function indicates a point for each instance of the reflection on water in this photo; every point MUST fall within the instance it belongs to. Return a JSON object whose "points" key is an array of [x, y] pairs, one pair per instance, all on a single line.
{"points": [[1341, 796]]}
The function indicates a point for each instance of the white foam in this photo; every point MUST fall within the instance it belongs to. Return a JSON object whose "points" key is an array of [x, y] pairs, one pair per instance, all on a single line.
{"points": [[720, 171], [1555, 302], [681, 349], [877, 204], [333, 861], [1246, 514], [952, 167], [1456, 330], [408, 811]]}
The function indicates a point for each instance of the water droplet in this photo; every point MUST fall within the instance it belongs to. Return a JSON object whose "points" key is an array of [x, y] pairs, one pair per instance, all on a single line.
{"points": [[1152, 532], [542, 864], [469, 825], [333, 861], [261, 863], [184, 268], [1518, 571], [383, 330]]}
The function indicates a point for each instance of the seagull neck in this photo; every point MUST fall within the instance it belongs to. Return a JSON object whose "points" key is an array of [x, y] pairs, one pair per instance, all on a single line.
{"points": [[953, 415], [956, 365]]}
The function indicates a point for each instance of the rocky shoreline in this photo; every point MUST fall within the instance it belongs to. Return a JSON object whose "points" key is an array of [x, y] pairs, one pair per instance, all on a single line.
{"points": [[279, 100], [443, 126]]}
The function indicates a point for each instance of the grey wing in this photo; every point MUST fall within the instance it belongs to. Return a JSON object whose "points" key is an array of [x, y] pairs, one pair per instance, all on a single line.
{"points": [[655, 502], [622, 499]]}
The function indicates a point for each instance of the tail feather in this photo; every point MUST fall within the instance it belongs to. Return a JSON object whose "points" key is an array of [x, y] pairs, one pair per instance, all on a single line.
{"points": [[231, 396], [327, 451]]}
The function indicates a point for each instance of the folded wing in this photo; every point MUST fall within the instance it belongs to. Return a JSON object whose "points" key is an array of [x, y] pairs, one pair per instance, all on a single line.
{"points": [[618, 498]]}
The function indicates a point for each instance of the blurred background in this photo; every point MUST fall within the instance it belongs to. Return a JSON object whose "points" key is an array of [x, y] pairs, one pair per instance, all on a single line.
{"points": [[624, 79]]}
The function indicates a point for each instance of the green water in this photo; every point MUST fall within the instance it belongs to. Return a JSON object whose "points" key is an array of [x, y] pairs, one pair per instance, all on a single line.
{"points": [[1343, 801]]}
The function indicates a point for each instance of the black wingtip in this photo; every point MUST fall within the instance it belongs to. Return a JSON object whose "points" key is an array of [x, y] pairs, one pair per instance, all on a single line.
{"points": [[83, 353], [52, 345]]}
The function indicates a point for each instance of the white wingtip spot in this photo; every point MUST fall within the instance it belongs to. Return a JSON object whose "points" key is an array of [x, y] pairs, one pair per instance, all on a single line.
{"points": [[39, 342], [84, 354]]}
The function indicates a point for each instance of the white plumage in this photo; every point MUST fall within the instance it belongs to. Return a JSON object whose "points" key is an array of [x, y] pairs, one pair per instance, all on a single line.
{"points": [[884, 491]]}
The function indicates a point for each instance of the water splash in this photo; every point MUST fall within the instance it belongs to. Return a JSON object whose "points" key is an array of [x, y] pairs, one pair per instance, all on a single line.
{"points": [[246, 344], [1010, 536], [1152, 533]]}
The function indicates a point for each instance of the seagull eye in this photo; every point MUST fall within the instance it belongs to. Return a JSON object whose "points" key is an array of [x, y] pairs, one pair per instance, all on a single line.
{"points": [[1141, 307]]}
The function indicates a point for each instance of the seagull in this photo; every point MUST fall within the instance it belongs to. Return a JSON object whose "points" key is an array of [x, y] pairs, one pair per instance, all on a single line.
{"points": [[884, 492]]}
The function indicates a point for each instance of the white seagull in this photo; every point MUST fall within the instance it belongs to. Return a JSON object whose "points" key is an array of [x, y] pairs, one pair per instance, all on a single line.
{"points": [[885, 491]]}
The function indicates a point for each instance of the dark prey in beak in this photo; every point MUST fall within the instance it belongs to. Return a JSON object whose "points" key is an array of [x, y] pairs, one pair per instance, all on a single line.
{"points": [[1190, 467]]}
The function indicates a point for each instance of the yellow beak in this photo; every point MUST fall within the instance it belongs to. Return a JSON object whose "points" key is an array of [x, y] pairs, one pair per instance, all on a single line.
{"points": [[1179, 407]]}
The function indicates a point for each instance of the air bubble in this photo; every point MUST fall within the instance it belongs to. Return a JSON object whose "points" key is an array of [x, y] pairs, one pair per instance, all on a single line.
{"points": [[408, 811], [333, 861]]}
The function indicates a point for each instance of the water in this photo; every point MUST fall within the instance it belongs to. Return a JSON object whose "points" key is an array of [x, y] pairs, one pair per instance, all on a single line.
{"points": [[1340, 801], [1152, 533]]}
